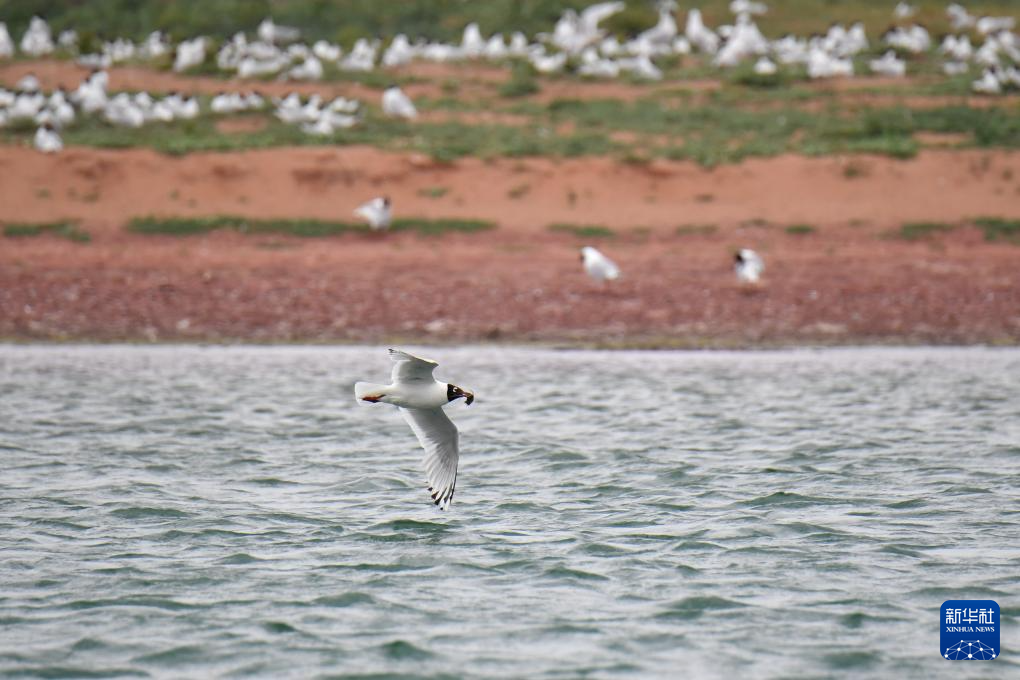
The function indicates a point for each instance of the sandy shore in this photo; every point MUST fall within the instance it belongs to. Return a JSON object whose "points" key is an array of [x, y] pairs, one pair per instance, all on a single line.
{"points": [[675, 227]]}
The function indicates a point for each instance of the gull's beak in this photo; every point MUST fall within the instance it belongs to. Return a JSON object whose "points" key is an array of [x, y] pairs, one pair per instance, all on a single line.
{"points": [[468, 397]]}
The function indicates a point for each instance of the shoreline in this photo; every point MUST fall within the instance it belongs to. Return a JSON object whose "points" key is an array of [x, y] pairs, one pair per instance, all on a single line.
{"points": [[632, 345]]}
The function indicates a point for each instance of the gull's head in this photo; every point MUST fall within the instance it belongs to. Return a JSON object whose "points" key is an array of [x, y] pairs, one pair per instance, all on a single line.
{"points": [[738, 257], [454, 392]]}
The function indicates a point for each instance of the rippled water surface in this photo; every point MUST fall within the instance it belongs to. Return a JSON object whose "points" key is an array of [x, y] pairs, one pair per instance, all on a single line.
{"points": [[231, 512]]}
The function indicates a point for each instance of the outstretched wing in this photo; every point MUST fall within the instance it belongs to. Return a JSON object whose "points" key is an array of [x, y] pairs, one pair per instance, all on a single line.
{"points": [[409, 368], [438, 436]]}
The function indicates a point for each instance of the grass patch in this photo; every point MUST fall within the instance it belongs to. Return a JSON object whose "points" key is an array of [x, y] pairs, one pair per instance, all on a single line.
{"points": [[696, 230], [518, 191], [997, 228], [800, 229], [916, 231], [68, 230], [433, 192], [440, 19], [305, 228], [181, 226], [522, 81], [583, 230], [854, 169]]}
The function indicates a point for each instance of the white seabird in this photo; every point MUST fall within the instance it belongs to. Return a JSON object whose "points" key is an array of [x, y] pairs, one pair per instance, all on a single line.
{"points": [[377, 212], [904, 10], [48, 140], [420, 399], [6, 44], [598, 266], [396, 104], [748, 265]]}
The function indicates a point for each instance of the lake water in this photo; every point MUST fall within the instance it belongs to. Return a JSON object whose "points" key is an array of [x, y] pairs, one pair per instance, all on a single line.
{"points": [[231, 512]]}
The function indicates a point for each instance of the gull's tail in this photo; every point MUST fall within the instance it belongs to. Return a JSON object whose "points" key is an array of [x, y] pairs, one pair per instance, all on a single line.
{"points": [[366, 391]]}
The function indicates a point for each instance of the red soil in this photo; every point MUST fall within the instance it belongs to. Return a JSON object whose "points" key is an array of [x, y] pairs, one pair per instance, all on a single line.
{"points": [[676, 227]]}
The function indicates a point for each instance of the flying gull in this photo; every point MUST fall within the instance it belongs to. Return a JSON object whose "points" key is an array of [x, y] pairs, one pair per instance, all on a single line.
{"points": [[420, 399]]}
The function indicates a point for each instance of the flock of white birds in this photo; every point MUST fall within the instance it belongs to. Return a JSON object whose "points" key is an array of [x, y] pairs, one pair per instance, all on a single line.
{"points": [[985, 44]]}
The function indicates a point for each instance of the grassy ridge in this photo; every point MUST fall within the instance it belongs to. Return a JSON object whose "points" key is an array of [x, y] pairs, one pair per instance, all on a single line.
{"points": [[307, 228], [64, 229], [710, 133]]}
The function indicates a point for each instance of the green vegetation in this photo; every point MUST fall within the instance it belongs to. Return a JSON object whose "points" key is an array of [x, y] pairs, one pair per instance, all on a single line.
{"points": [[853, 170], [307, 228], [433, 192], [519, 191], [916, 231], [437, 19], [800, 229], [715, 129], [522, 81], [68, 230], [997, 228], [583, 230]]}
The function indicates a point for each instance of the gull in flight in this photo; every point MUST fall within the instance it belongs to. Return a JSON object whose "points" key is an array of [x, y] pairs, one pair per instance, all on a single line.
{"points": [[598, 266], [377, 212], [420, 399], [748, 265]]}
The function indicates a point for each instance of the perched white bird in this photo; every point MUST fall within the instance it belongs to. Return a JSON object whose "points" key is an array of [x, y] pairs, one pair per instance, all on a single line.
{"points": [[361, 57], [399, 52], [271, 33], [421, 398], [547, 64], [327, 51], [472, 44], [396, 104], [311, 69], [38, 39], [889, 65], [765, 67], [225, 102], [959, 17], [748, 265], [988, 83], [989, 25], [598, 266], [665, 31], [6, 44], [748, 7], [48, 140], [904, 10], [28, 83], [190, 54], [377, 212], [700, 35]]}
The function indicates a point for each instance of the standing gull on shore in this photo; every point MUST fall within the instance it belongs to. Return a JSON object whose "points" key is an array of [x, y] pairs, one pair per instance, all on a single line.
{"points": [[377, 212], [748, 265], [420, 399], [396, 104], [598, 266]]}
